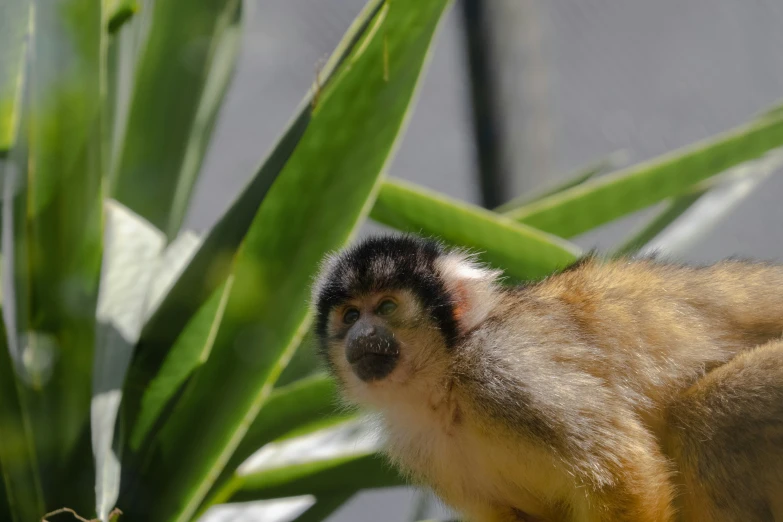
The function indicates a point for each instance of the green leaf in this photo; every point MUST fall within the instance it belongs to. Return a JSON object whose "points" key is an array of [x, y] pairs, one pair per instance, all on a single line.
{"points": [[300, 408], [122, 62], [119, 12], [674, 209], [17, 446], [56, 243], [523, 252], [183, 72], [608, 164], [15, 27], [718, 200], [334, 175], [305, 363], [594, 203], [191, 304], [319, 477], [173, 341], [5, 508], [192, 349]]}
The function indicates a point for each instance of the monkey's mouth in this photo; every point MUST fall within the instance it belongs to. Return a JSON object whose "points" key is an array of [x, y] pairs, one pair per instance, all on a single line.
{"points": [[373, 359]]}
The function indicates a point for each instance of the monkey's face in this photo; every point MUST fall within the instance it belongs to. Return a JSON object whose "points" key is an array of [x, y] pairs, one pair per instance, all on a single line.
{"points": [[390, 312], [367, 329], [380, 340]]}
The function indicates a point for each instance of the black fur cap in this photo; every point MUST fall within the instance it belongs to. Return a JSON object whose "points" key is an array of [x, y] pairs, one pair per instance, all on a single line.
{"points": [[389, 262]]}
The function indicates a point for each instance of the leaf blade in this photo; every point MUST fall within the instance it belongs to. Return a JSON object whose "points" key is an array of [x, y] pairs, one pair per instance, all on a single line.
{"points": [[15, 18], [713, 205], [579, 209], [331, 164], [53, 238], [652, 229], [18, 459], [211, 265], [598, 168], [300, 408], [322, 477], [502, 242], [174, 106]]}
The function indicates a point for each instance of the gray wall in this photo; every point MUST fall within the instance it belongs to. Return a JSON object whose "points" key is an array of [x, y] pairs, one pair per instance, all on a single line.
{"points": [[639, 75]]}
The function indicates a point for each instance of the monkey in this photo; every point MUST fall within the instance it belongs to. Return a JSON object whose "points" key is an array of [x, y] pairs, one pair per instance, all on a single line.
{"points": [[621, 390]]}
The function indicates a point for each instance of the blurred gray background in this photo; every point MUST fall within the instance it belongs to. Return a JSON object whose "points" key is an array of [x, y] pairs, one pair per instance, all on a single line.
{"points": [[577, 81]]}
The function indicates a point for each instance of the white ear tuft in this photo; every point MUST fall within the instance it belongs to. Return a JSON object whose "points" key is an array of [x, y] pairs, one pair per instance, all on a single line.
{"points": [[473, 288]]}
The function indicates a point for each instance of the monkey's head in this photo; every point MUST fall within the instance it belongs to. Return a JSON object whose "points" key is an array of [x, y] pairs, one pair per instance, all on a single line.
{"points": [[391, 311]]}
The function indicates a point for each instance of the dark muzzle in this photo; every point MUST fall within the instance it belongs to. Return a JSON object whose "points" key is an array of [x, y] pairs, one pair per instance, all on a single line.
{"points": [[372, 351]]}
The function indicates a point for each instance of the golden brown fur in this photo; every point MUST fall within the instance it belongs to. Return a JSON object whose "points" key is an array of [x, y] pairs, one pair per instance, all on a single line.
{"points": [[614, 391]]}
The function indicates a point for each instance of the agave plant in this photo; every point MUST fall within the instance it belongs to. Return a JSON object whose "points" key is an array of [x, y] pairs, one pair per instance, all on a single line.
{"points": [[152, 370]]}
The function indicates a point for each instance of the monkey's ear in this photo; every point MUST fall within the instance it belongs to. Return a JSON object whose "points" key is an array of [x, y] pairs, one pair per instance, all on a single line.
{"points": [[471, 286]]}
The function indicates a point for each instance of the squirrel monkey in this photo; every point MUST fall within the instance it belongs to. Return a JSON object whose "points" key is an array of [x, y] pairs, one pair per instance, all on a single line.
{"points": [[622, 391]]}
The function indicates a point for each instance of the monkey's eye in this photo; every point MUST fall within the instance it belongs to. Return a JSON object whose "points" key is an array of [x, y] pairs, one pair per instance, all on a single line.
{"points": [[351, 316], [386, 307]]}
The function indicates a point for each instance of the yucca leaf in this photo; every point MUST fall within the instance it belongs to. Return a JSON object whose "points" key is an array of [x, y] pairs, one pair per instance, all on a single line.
{"points": [[608, 164], [175, 339], [594, 203], [333, 173], [192, 347], [303, 407], [185, 66], [157, 373], [5, 508], [57, 234], [299, 407], [335, 459], [305, 363], [18, 460], [14, 32], [719, 200], [119, 12], [190, 307], [673, 210], [705, 203], [319, 477], [524, 252], [122, 61]]}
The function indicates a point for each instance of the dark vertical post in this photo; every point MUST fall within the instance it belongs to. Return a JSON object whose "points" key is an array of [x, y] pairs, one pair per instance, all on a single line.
{"points": [[484, 97]]}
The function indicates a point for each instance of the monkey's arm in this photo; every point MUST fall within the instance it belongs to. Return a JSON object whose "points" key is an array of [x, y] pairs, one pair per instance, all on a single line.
{"points": [[726, 436]]}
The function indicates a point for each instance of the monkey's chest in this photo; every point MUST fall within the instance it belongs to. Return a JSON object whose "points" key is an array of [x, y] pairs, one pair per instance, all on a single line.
{"points": [[481, 474]]}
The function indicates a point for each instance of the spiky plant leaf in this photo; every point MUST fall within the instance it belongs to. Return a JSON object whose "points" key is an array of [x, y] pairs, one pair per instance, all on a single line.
{"points": [[594, 203], [52, 243], [186, 64], [15, 24], [333, 173], [523, 252]]}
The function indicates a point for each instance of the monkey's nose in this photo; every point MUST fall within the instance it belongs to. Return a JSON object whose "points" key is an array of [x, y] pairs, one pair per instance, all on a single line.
{"points": [[372, 351]]}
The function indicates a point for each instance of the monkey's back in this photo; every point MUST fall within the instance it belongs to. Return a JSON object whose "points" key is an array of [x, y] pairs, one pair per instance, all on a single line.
{"points": [[591, 360], [650, 329]]}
